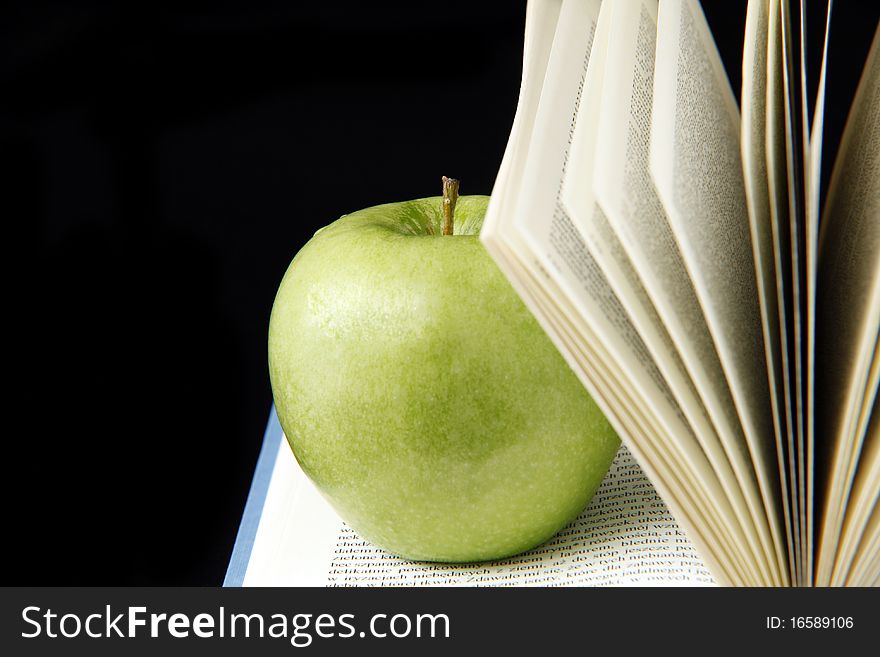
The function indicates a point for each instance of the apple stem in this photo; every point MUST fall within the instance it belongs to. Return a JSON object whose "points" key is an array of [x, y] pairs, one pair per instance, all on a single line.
{"points": [[450, 196]]}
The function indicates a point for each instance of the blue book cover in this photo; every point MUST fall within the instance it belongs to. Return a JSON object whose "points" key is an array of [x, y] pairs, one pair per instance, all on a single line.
{"points": [[253, 510]]}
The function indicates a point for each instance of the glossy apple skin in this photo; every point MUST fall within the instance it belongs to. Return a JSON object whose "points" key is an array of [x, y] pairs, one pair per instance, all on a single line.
{"points": [[420, 395]]}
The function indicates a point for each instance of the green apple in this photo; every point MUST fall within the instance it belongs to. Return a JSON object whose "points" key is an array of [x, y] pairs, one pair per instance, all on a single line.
{"points": [[420, 395]]}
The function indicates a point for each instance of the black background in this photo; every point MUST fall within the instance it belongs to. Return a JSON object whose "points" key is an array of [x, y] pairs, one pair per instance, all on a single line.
{"points": [[160, 167]]}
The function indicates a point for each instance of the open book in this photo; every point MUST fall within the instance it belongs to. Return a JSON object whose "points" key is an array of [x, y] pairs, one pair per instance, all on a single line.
{"points": [[680, 254], [291, 536]]}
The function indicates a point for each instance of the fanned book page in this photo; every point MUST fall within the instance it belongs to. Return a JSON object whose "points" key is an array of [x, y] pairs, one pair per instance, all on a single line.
{"points": [[848, 311], [696, 169], [757, 192], [668, 246], [625, 537]]}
